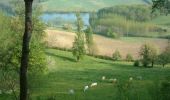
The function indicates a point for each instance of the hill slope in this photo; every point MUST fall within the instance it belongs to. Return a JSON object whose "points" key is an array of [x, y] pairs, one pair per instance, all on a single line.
{"points": [[85, 5], [80, 5], [105, 46]]}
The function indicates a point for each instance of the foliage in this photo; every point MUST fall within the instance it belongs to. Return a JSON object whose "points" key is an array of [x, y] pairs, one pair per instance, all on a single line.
{"points": [[164, 57], [129, 57], [112, 34], [117, 21], [67, 27], [79, 43], [89, 40], [133, 12], [11, 44], [148, 54], [136, 63], [161, 5], [116, 55]]}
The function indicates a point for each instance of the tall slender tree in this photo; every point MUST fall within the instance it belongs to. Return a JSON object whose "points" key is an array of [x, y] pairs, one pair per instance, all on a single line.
{"points": [[79, 43], [25, 49]]}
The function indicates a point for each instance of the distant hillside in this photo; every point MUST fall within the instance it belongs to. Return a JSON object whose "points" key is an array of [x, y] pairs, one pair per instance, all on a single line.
{"points": [[79, 5], [85, 5], [105, 46]]}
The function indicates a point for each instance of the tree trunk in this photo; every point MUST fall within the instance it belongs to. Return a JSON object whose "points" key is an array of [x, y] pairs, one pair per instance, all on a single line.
{"points": [[152, 63], [25, 49], [78, 58]]}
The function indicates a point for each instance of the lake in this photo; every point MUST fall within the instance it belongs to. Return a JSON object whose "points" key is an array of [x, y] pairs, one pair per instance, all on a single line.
{"points": [[70, 17]]}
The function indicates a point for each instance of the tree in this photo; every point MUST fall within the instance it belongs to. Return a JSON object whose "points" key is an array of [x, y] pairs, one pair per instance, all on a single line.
{"points": [[78, 45], [148, 54], [116, 55], [162, 5], [153, 55], [25, 50], [89, 39], [11, 45], [164, 57]]}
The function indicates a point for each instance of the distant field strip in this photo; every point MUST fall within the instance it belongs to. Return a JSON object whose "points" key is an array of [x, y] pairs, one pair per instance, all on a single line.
{"points": [[105, 46]]}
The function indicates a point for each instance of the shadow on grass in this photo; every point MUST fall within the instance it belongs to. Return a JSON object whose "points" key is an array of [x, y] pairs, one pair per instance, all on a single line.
{"points": [[61, 57], [116, 64]]}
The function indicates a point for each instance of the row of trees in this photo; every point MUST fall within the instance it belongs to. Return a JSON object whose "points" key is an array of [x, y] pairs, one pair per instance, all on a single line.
{"points": [[139, 13], [149, 55], [82, 39], [124, 20]]}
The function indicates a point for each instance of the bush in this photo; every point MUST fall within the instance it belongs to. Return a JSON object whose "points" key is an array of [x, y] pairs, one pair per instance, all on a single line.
{"points": [[112, 34], [136, 63], [67, 27], [129, 57], [116, 55]]}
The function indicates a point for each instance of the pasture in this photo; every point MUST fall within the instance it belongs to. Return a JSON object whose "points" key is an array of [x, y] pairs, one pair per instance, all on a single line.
{"points": [[66, 74]]}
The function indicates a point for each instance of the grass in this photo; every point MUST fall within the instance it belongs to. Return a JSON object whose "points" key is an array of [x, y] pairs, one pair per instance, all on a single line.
{"points": [[84, 5], [65, 74], [162, 20], [80, 5]]}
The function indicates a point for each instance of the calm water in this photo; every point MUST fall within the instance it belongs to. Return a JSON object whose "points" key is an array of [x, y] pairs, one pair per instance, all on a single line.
{"points": [[46, 17]]}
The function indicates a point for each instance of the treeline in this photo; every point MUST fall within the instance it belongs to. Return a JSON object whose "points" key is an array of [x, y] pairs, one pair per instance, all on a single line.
{"points": [[124, 20], [135, 12]]}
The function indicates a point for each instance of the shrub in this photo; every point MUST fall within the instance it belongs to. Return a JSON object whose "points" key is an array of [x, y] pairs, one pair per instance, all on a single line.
{"points": [[112, 34], [129, 57], [116, 55], [136, 63], [67, 27]]}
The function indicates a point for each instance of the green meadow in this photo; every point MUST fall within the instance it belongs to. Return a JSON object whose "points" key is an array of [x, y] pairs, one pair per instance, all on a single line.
{"points": [[65, 74]]}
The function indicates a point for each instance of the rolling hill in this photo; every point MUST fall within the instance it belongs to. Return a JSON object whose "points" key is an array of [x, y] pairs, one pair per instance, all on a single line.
{"points": [[85, 5], [79, 5], [105, 46]]}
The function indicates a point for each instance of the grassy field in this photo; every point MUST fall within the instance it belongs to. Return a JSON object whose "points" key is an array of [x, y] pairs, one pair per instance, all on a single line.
{"points": [[65, 74], [162, 20], [80, 5], [105, 46], [84, 5]]}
